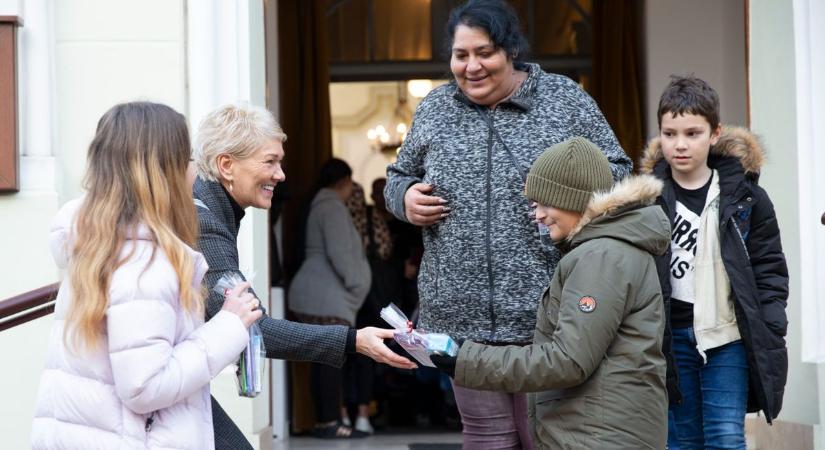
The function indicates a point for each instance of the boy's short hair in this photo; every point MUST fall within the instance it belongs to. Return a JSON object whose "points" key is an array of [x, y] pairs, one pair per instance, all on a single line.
{"points": [[690, 95]]}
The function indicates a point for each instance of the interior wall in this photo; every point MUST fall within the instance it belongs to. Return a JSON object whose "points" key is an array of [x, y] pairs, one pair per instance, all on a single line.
{"points": [[701, 37], [355, 108]]}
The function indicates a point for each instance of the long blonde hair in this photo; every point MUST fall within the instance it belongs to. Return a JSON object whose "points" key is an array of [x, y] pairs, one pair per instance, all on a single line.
{"points": [[135, 174]]}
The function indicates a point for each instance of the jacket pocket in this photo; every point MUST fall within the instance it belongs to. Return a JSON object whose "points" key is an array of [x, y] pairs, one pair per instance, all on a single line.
{"points": [[569, 422], [548, 313], [775, 318]]}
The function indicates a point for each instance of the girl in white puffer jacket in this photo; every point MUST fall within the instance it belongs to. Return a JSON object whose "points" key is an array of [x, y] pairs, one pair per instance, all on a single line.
{"points": [[130, 358]]}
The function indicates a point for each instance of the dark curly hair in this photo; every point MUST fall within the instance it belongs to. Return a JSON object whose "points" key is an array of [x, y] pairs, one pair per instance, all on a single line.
{"points": [[689, 95], [496, 18]]}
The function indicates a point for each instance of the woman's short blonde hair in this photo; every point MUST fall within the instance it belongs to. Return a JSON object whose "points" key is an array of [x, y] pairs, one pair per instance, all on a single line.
{"points": [[236, 130]]}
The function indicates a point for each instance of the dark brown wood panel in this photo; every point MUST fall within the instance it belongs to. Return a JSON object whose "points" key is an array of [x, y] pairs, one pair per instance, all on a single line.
{"points": [[9, 160]]}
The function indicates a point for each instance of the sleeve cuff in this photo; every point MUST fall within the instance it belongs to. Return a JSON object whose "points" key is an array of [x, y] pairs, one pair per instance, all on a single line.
{"points": [[350, 347], [404, 185], [225, 337]]}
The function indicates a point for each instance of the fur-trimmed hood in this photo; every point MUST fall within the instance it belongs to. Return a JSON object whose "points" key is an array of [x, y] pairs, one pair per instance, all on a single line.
{"points": [[626, 212], [735, 142]]}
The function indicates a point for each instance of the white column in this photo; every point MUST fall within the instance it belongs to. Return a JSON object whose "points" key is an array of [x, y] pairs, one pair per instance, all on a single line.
{"points": [[35, 95], [809, 46], [773, 112], [810, 98]]}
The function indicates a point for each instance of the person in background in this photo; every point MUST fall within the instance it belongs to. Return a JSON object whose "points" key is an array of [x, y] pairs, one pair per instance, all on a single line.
{"points": [[130, 357], [461, 175], [725, 277], [330, 286], [359, 372], [238, 154]]}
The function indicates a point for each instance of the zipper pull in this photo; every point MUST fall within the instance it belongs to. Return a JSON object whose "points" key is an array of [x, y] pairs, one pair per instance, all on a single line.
{"points": [[149, 422]]}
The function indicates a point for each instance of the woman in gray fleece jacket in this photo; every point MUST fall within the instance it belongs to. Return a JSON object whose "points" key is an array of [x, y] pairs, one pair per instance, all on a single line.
{"points": [[460, 175]]}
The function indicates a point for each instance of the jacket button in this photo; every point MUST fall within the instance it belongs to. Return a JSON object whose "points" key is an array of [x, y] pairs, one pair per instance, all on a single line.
{"points": [[741, 207]]}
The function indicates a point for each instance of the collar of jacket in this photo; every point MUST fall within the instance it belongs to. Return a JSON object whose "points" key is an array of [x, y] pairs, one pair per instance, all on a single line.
{"points": [[626, 196], [215, 197], [522, 99], [738, 156]]}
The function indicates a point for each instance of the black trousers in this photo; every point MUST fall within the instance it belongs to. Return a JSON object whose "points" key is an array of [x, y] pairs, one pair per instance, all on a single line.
{"points": [[227, 435], [326, 383], [358, 380]]}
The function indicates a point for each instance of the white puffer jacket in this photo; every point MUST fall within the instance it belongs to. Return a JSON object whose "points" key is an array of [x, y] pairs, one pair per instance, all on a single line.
{"points": [[156, 360]]}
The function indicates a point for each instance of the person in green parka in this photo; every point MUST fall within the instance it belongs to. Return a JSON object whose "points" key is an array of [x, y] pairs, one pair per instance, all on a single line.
{"points": [[595, 371]]}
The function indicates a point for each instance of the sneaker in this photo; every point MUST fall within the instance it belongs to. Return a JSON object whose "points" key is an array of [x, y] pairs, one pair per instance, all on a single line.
{"points": [[363, 424]]}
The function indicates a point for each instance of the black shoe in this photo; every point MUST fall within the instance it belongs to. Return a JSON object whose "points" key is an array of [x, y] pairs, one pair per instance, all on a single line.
{"points": [[336, 431]]}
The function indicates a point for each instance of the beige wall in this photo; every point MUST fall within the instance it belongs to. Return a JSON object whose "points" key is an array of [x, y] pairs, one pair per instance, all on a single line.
{"points": [[77, 58], [107, 52], [702, 37]]}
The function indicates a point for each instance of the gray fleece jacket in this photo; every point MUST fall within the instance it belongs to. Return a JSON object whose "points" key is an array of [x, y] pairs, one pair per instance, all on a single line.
{"points": [[484, 267], [334, 279]]}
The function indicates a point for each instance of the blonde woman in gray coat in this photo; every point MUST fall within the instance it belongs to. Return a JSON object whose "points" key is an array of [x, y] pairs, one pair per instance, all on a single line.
{"points": [[331, 285]]}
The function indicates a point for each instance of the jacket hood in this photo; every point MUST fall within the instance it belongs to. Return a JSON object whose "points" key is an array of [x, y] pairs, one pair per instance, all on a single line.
{"points": [[64, 231], [734, 142], [627, 212]]}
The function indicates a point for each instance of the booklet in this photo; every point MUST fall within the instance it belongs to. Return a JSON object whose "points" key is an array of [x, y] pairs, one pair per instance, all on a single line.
{"points": [[250, 367]]}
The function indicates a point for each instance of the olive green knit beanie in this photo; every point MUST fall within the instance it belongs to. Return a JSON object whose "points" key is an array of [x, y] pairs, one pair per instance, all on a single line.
{"points": [[567, 174]]}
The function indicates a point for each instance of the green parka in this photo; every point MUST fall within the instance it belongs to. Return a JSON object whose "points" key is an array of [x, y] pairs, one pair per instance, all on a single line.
{"points": [[595, 371]]}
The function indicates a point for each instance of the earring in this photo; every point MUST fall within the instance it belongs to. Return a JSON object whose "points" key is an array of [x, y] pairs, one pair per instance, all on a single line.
{"points": [[230, 185]]}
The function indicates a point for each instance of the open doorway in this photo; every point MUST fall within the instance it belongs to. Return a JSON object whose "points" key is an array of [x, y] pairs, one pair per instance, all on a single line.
{"points": [[370, 120], [344, 68]]}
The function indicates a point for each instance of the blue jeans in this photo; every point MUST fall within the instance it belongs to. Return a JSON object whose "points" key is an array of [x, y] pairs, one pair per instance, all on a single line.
{"points": [[714, 395]]}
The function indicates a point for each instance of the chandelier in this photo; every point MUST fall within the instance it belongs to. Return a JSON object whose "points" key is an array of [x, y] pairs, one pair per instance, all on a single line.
{"points": [[388, 139]]}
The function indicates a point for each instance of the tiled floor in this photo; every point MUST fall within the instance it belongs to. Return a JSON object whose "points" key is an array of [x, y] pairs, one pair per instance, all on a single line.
{"points": [[384, 441]]}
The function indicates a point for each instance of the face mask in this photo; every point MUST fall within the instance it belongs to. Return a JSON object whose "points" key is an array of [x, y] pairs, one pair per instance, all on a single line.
{"points": [[544, 236]]}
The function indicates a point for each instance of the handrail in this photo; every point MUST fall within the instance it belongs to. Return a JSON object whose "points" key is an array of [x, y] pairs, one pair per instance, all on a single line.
{"points": [[27, 306]]}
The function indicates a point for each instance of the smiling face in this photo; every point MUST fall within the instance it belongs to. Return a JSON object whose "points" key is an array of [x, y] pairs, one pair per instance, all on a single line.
{"points": [[253, 178], [560, 222], [483, 72], [686, 140]]}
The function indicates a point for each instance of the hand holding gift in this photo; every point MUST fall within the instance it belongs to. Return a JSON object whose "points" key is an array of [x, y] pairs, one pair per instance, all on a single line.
{"points": [[250, 372], [419, 344]]}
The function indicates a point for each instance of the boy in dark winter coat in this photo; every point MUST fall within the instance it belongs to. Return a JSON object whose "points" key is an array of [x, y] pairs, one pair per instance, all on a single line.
{"points": [[595, 370], [725, 279]]}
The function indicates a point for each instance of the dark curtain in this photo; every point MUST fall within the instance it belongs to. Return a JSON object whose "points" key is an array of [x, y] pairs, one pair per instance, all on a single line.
{"points": [[617, 56], [305, 116], [305, 113]]}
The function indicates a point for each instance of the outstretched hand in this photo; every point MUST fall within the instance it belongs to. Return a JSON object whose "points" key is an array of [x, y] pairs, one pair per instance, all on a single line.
{"points": [[369, 341]]}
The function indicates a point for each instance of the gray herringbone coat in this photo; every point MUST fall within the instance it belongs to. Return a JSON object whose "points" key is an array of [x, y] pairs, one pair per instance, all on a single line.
{"points": [[283, 339]]}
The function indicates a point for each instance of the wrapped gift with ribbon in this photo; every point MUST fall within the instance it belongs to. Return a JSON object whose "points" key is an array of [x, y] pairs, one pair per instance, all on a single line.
{"points": [[418, 343]]}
